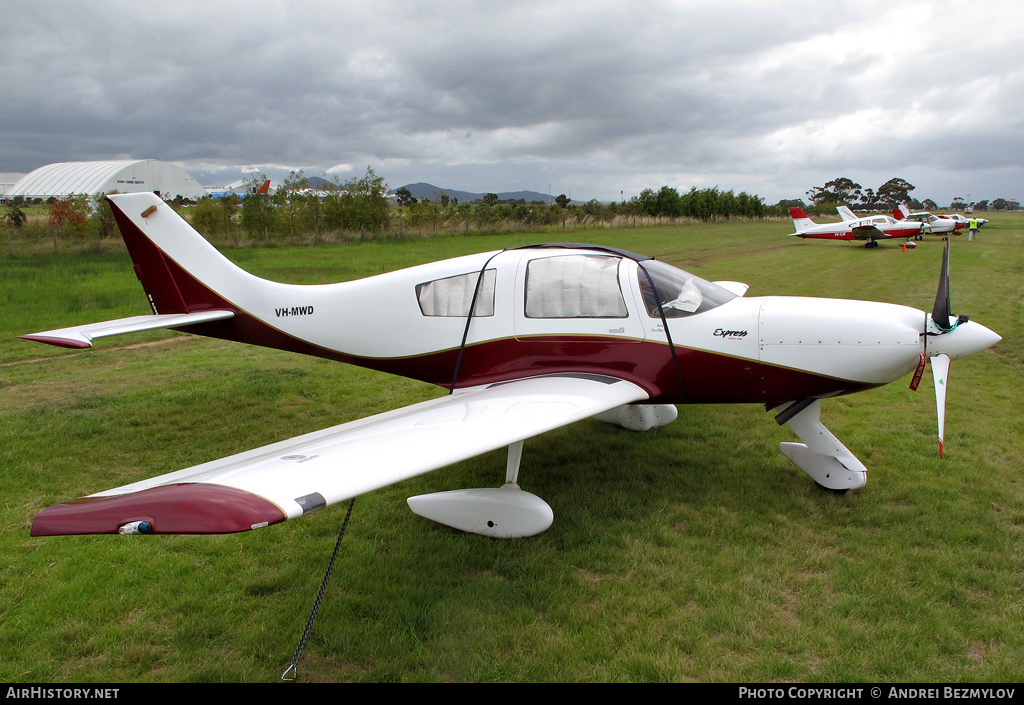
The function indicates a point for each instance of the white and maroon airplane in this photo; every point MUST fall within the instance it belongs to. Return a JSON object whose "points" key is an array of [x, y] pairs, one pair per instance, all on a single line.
{"points": [[559, 333], [869, 229]]}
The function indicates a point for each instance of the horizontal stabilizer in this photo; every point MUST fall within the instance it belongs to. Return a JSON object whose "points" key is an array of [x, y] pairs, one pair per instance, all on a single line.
{"points": [[82, 336]]}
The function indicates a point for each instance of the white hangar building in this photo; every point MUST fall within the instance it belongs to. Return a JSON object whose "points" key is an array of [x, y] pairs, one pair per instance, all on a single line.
{"points": [[94, 178]]}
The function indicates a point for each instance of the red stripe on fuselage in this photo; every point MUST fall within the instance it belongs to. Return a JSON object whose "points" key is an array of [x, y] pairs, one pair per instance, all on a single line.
{"points": [[826, 236], [708, 378]]}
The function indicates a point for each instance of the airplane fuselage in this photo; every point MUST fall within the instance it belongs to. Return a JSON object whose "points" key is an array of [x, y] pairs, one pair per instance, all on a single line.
{"points": [[539, 311], [757, 349], [868, 228], [935, 224]]}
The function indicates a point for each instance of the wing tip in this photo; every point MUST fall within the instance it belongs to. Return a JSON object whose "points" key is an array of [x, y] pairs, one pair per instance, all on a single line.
{"points": [[192, 508], [58, 341]]}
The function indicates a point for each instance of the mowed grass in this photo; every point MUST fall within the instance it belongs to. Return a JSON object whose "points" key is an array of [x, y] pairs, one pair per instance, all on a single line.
{"points": [[696, 552]]}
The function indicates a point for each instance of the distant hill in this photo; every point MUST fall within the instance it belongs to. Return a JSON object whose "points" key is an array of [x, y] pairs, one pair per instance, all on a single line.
{"points": [[433, 193]]}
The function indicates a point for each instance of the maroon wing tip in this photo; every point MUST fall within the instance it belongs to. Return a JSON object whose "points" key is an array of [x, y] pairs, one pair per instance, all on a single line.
{"points": [[59, 342], [193, 508]]}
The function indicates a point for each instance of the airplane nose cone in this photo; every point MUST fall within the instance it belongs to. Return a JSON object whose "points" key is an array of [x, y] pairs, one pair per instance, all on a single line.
{"points": [[966, 339]]}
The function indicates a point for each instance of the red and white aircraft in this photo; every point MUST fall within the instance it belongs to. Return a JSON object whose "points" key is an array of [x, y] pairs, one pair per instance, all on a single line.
{"points": [[931, 224], [558, 333], [240, 188], [870, 228], [963, 220]]}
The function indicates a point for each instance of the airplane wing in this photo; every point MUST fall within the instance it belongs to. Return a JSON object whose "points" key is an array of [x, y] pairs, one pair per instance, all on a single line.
{"points": [[868, 232], [285, 480]]}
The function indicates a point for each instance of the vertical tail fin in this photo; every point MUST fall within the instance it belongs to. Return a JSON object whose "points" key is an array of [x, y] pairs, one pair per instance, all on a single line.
{"points": [[846, 214], [179, 270], [800, 220], [151, 267], [191, 286]]}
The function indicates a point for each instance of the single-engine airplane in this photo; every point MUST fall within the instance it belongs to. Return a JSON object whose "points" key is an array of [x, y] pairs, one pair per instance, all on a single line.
{"points": [[241, 188], [848, 215], [963, 220], [931, 224], [870, 228], [527, 340]]}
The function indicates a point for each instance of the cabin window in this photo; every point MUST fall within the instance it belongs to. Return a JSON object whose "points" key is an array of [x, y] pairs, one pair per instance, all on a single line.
{"points": [[679, 293], [452, 296], [574, 286]]}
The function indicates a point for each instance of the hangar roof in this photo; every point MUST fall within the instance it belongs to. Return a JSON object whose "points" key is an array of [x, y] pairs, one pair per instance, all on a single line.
{"points": [[70, 178], [73, 178]]}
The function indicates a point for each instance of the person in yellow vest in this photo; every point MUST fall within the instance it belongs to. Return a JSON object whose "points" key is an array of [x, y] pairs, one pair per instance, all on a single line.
{"points": [[972, 229]]}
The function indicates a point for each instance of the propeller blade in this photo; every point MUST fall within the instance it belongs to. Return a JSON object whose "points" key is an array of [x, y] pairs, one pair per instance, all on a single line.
{"points": [[940, 374], [942, 309]]}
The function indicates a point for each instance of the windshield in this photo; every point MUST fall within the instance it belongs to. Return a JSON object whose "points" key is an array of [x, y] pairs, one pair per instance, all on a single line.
{"points": [[679, 292]]}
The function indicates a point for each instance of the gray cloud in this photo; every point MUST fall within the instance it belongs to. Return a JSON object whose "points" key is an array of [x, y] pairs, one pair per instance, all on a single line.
{"points": [[592, 98]]}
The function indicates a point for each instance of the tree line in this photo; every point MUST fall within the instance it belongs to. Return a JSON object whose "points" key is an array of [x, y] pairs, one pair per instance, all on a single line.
{"points": [[895, 191], [362, 208]]}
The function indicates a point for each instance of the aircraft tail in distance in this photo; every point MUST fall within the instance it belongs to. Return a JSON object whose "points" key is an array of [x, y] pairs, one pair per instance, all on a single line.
{"points": [[800, 220]]}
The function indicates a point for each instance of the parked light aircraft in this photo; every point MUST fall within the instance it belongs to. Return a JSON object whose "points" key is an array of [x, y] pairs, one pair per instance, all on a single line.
{"points": [[970, 212], [558, 333], [931, 224], [870, 228], [240, 188], [848, 215], [964, 221]]}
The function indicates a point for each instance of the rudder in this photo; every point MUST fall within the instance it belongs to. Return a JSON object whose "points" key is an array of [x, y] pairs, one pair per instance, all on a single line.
{"points": [[800, 220], [151, 267], [177, 267]]}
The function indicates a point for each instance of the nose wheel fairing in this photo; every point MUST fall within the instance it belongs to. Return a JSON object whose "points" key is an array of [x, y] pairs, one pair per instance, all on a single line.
{"points": [[827, 461]]}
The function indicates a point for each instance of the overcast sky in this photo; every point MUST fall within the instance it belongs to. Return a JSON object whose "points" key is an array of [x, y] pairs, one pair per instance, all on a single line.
{"points": [[593, 99]]}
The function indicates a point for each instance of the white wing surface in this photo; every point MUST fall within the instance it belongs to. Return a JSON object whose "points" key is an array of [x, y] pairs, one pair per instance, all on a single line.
{"points": [[287, 479]]}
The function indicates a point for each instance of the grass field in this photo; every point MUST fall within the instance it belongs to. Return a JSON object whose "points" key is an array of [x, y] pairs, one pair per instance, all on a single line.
{"points": [[696, 552]]}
